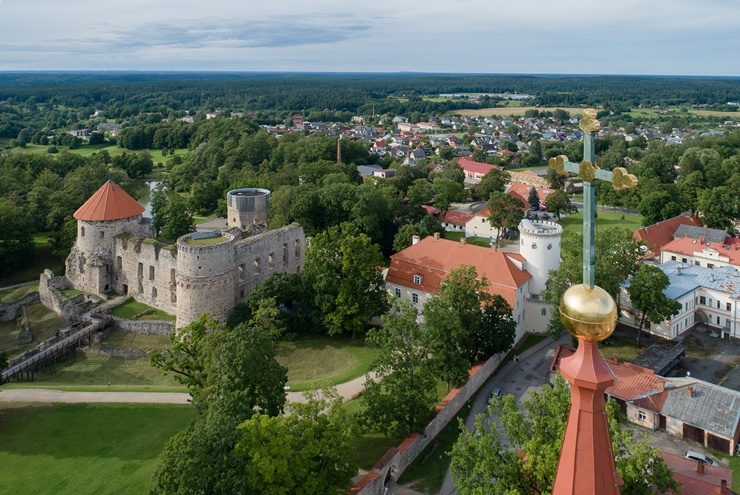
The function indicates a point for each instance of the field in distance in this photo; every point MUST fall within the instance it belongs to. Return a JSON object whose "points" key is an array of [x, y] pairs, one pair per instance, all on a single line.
{"points": [[510, 111]]}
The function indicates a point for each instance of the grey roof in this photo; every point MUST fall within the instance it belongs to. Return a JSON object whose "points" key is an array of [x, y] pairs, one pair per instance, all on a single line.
{"points": [[658, 356], [711, 235], [685, 278], [711, 407]]}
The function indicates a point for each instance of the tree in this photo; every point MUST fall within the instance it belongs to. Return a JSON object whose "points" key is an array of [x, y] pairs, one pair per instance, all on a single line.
{"points": [[159, 200], [647, 296], [719, 207], [533, 199], [402, 396], [17, 248], [342, 277], [308, 452], [527, 466], [446, 192], [451, 320], [178, 219], [559, 202], [494, 181], [658, 206], [506, 211], [497, 331], [616, 253], [3, 360], [427, 226]]}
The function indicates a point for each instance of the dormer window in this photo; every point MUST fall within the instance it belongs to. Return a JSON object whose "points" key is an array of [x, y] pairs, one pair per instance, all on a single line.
{"points": [[417, 279]]}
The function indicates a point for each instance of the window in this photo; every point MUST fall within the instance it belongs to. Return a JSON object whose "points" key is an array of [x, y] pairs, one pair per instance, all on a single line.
{"points": [[673, 258], [285, 252], [718, 323], [415, 298], [641, 416], [257, 268], [398, 292], [710, 265], [154, 293], [297, 248], [534, 245], [140, 270], [417, 279], [728, 306], [82, 231], [271, 261], [718, 305], [242, 272], [549, 246], [102, 234], [119, 263], [544, 311], [151, 272], [683, 260], [697, 263], [702, 300]]}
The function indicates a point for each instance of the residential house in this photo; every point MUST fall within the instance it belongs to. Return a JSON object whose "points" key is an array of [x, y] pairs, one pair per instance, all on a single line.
{"points": [[659, 234], [474, 171], [697, 478], [702, 246]]}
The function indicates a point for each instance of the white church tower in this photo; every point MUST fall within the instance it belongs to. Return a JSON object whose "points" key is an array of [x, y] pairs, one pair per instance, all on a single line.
{"points": [[540, 245]]}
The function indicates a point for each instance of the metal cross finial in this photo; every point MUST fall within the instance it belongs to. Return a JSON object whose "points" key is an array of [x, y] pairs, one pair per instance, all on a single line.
{"points": [[589, 171]]}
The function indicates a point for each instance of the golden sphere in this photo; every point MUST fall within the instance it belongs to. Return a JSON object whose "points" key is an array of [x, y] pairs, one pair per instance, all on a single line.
{"points": [[588, 314]]}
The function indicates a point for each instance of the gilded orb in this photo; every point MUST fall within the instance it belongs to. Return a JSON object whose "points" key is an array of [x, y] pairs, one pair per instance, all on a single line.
{"points": [[588, 314]]}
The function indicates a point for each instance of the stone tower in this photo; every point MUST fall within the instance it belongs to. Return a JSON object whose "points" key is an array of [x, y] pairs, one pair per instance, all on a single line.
{"points": [[247, 207], [108, 212], [206, 275], [540, 246]]}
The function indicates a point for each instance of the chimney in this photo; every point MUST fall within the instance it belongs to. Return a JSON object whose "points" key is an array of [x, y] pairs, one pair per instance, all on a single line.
{"points": [[678, 270], [463, 241], [661, 385], [700, 467], [689, 392], [414, 239], [436, 236]]}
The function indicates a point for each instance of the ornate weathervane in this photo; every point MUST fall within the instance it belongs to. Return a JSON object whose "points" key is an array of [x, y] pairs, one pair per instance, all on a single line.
{"points": [[589, 313]]}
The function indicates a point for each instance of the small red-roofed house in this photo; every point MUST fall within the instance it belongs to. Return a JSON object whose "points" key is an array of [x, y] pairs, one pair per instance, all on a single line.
{"points": [[474, 171], [415, 274]]}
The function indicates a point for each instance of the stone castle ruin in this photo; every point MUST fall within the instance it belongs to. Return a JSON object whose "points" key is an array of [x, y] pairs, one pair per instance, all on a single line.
{"points": [[201, 273]]}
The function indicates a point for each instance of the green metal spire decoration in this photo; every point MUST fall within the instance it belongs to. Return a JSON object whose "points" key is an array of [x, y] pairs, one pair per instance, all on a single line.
{"points": [[589, 171]]}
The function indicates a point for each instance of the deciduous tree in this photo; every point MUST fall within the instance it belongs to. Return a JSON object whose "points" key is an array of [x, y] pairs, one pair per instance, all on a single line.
{"points": [[647, 295], [506, 211]]}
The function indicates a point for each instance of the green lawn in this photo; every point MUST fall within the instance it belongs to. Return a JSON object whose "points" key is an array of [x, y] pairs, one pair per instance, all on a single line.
{"points": [[13, 295], [319, 359], [477, 241], [44, 323], [604, 220], [131, 308], [79, 449], [624, 349]]}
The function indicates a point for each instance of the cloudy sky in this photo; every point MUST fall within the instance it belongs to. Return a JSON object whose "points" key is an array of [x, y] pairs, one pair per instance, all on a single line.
{"points": [[678, 37]]}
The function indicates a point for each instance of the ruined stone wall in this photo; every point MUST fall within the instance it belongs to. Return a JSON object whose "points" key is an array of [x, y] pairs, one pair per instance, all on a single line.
{"points": [[146, 270], [281, 250], [148, 327], [9, 311]]}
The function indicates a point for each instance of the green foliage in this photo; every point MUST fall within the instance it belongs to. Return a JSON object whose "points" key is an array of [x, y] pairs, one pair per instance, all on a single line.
{"points": [[497, 330], [719, 208], [427, 226], [533, 199], [17, 248], [647, 296], [177, 219], [658, 206], [446, 192], [528, 463], [559, 202], [342, 279], [494, 181], [506, 211], [308, 452], [451, 321], [402, 396]]}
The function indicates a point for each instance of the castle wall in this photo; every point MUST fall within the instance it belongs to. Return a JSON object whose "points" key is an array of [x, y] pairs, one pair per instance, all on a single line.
{"points": [[246, 207], [146, 270], [277, 251]]}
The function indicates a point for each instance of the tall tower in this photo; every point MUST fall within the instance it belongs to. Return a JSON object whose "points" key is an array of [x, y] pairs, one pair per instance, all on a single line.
{"points": [[108, 212], [247, 207], [540, 246]]}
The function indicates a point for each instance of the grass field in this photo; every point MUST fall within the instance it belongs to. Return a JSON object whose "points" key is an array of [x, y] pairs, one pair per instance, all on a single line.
{"points": [[131, 308], [80, 449], [604, 220], [624, 349], [12, 295], [319, 359], [44, 323], [510, 111], [87, 150]]}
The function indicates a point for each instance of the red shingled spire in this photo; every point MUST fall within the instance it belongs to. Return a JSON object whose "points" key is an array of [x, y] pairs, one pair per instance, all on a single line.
{"points": [[110, 202]]}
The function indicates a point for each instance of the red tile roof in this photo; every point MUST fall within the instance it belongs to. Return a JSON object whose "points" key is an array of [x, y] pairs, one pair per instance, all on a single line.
{"points": [[659, 234], [630, 382], [476, 167], [110, 202], [456, 218], [434, 259], [689, 246], [693, 482]]}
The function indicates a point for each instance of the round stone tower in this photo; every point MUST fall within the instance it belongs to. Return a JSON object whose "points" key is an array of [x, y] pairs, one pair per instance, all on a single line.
{"points": [[540, 246], [206, 276], [108, 212], [247, 207]]}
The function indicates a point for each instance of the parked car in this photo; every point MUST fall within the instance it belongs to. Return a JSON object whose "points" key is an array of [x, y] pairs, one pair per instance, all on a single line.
{"points": [[545, 216], [698, 456], [496, 392]]}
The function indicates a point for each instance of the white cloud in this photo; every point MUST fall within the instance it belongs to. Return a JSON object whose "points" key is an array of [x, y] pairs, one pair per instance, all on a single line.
{"points": [[530, 36]]}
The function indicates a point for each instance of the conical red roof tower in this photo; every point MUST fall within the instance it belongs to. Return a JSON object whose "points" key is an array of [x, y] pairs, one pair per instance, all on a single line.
{"points": [[110, 202]]}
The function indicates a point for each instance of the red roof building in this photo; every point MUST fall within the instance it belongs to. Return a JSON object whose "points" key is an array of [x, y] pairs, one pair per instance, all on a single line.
{"points": [[659, 234], [110, 202], [697, 478], [474, 171]]}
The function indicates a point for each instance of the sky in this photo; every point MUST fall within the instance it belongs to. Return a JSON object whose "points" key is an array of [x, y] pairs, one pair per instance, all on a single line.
{"points": [[660, 37]]}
